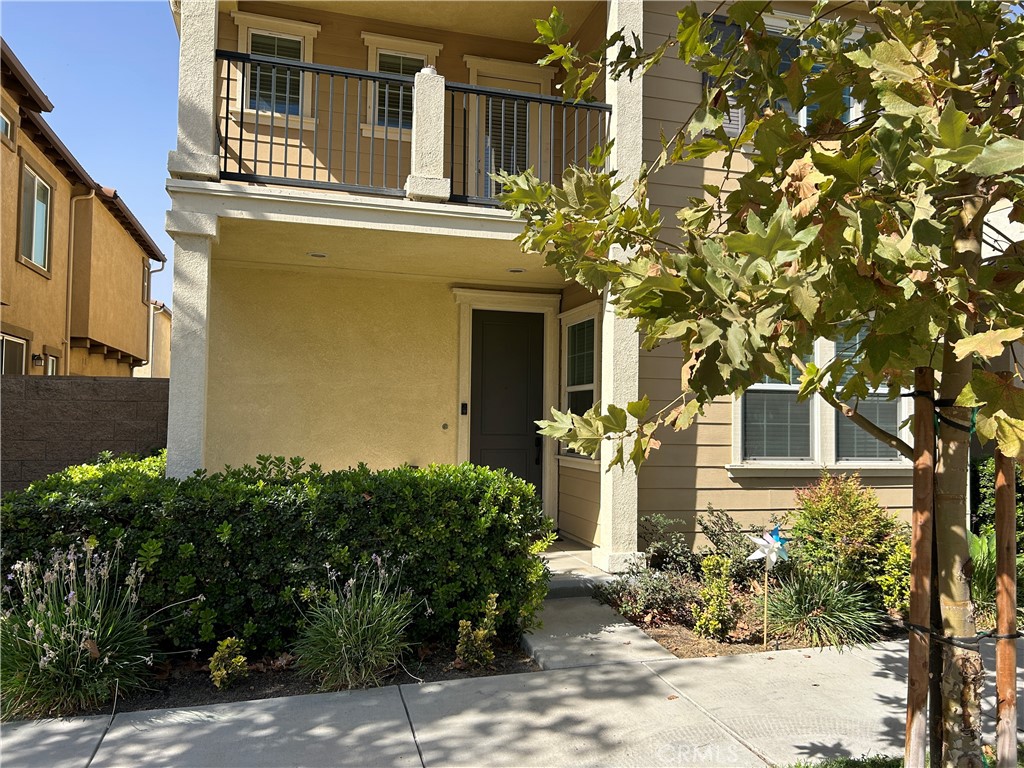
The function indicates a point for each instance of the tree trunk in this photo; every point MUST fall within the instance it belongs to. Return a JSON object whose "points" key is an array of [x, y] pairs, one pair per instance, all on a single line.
{"points": [[962, 673]]}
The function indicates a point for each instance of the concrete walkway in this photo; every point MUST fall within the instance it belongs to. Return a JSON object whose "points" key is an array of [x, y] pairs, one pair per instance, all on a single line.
{"points": [[608, 696]]}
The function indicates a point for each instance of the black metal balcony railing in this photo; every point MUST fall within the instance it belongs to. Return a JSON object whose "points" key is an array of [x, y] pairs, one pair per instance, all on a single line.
{"points": [[310, 125], [491, 129], [313, 126]]}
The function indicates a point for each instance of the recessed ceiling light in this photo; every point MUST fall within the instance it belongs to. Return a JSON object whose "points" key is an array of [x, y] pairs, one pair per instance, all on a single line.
{"points": [[516, 270], [316, 254]]}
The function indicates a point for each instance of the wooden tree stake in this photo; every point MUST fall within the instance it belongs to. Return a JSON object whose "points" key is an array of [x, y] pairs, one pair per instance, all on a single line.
{"points": [[1006, 613], [920, 567]]}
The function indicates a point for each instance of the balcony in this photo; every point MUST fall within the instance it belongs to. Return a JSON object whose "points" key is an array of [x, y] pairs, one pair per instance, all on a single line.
{"points": [[309, 125]]}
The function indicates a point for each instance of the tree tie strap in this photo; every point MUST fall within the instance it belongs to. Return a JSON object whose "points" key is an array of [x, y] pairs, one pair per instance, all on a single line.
{"points": [[970, 643]]}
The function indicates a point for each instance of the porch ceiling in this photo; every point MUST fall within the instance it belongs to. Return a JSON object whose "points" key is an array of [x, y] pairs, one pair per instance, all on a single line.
{"points": [[506, 21], [456, 260]]}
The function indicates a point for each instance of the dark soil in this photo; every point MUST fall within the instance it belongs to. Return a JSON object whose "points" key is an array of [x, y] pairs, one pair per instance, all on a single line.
{"points": [[187, 684]]}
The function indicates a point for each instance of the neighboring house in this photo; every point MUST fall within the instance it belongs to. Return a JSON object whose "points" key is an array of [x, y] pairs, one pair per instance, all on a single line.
{"points": [[74, 280], [158, 359], [346, 288]]}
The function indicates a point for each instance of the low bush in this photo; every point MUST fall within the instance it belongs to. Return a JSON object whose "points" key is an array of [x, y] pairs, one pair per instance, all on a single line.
{"points": [[250, 539], [983, 513], [72, 636], [983, 578], [355, 633], [840, 529], [821, 609], [730, 541], [228, 664], [715, 615], [666, 550], [648, 596], [475, 646]]}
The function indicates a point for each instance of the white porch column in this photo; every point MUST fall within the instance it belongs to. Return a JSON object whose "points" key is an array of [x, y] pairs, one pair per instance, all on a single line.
{"points": [[196, 153], [194, 235], [620, 344], [426, 173]]}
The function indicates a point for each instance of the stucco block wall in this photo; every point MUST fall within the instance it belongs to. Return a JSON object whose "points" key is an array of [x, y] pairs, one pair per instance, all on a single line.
{"points": [[337, 369], [47, 424]]}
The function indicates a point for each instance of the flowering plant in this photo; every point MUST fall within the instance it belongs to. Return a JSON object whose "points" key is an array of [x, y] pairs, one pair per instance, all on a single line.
{"points": [[71, 636]]}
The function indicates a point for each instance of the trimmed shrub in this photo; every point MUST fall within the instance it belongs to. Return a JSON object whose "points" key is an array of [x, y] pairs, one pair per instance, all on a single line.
{"points": [[73, 636], [840, 529], [666, 550], [648, 596], [820, 609], [228, 664], [250, 539], [355, 633], [717, 612]]}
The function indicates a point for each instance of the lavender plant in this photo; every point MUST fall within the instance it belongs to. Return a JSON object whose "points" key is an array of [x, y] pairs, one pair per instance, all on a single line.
{"points": [[72, 637], [354, 632]]}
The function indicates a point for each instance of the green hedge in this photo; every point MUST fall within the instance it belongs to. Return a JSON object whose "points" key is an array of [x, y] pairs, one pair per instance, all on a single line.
{"points": [[250, 539]]}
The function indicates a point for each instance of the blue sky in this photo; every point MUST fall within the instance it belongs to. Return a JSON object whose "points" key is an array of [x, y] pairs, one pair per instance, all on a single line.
{"points": [[111, 71]]}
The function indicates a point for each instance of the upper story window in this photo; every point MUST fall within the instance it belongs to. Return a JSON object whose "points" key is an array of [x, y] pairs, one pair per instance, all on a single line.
{"points": [[275, 89], [280, 89], [12, 356], [6, 129], [735, 120], [34, 245], [389, 104]]}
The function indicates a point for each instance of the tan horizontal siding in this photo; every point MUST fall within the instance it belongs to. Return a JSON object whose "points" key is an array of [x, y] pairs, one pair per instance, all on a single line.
{"points": [[579, 499]]}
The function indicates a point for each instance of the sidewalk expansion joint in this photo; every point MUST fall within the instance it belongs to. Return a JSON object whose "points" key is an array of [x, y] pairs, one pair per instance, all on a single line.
{"points": [[415, 739], [734, 734]]}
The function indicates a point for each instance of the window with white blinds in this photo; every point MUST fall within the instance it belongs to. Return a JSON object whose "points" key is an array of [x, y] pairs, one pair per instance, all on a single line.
{"points": [[275, 88], [394, 100], [852, 442], [775, 424], [507, 137]]}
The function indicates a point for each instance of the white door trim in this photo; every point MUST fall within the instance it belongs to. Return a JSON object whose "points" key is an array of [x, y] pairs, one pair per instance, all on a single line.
{"points": [[547, 304]]}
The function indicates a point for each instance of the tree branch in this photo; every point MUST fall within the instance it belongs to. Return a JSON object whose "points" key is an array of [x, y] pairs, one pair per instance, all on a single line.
{"points": [[869, 426]]}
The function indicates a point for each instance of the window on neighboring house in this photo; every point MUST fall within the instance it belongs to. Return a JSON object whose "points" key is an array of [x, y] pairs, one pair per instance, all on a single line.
{"points": [[146, 280], [51, 365], [12, 356], [275, 88], [775, 424], [735, 120], [6, 127], [35, 219]]}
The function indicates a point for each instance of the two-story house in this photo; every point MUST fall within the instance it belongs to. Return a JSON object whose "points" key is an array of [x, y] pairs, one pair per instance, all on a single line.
{"points": [[347, 289], [75, 263]]}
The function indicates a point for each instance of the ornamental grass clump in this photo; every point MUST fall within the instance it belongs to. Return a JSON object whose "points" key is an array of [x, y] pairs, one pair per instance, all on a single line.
{"points": [[354, 632], [72, 636], [820, 609]]}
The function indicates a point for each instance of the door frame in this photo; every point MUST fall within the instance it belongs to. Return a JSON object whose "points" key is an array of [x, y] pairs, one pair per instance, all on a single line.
{"points": [[547, 304]]}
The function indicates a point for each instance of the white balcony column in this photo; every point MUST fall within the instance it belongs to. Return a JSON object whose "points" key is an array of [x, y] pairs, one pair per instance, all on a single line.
{"points": [[196, 154], [426, 173], [194, 236], [620, 343]]}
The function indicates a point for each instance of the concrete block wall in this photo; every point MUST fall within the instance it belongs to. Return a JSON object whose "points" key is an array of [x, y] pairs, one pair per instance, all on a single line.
{"points": [[48, 423]]}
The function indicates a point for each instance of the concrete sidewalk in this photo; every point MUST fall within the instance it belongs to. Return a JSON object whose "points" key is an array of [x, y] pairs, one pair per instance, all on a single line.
{"points": [[608, 696]]}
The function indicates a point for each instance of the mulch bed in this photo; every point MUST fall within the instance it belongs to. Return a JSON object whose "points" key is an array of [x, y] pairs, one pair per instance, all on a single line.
{"points": [[187, 684]]}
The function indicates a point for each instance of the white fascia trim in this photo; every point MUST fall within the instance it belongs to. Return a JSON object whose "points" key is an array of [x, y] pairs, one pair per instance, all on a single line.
{"points": [[328, 208], [257, 21]]}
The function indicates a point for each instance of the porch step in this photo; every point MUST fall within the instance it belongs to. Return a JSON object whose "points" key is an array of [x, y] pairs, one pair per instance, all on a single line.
{"points": [[565, 585]]}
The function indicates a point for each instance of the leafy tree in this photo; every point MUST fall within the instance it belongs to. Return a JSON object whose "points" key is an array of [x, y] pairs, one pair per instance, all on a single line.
{"points": [[864, 225]]}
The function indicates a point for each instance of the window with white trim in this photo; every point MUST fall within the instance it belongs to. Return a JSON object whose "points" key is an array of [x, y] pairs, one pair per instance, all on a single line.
{"points": [[389, 105], [12, 356], [6, 127], [278, 89], [51, 365], [581, 359], [35, 219], [773, 428]]}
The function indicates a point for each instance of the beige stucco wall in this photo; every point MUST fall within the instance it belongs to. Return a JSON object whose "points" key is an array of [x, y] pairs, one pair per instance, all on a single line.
{"points": [[32, 299], [337, 369], [95, 362], [109, 306], [689, 471], [159, 365]]}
